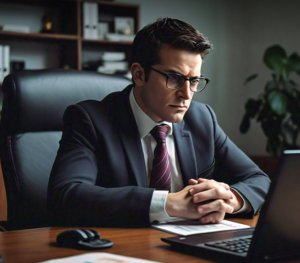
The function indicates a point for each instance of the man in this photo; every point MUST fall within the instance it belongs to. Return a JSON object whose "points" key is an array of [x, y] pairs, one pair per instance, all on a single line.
{"points": [[148, 153]]}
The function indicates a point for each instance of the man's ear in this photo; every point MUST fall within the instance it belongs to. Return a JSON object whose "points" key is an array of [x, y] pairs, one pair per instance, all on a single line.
{"points": [[138, 74]]}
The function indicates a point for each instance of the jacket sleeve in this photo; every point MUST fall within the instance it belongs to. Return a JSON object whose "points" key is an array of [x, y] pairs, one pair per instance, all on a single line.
{"points": [[235, 168], [75, 194]]}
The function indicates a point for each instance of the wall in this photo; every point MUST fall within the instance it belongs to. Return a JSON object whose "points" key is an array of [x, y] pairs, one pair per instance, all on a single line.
{"points": [[35, 55], [240, 32]]}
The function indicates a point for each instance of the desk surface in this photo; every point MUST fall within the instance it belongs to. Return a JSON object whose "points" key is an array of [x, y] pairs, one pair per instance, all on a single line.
{"points": [[35, 245]]}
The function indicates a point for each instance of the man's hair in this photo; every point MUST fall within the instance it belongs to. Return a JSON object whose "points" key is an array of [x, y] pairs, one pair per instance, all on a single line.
{"points": [[169, 32]]}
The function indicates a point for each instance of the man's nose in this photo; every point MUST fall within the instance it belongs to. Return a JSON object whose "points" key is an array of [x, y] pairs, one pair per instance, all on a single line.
{"points": [[185, 91]]}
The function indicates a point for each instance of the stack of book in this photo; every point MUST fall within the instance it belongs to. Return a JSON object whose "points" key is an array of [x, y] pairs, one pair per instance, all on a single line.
{"points": [[4, 61], [113, 63]]}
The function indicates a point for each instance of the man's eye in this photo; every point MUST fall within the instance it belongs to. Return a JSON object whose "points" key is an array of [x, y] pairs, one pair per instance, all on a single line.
{"points": [[194, 81], [174, 77]]}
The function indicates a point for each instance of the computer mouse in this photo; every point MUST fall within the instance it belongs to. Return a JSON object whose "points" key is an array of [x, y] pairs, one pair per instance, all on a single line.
{"points": [[82, 239]]}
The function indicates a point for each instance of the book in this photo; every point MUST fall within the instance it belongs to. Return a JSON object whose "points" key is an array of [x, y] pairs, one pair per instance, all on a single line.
{"points": [[118, 65], [103, 28], [191, 227], [113, 56], [119, 37]]}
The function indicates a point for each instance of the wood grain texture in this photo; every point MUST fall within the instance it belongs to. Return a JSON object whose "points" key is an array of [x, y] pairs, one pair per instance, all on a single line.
{"points": [[36, 245]]}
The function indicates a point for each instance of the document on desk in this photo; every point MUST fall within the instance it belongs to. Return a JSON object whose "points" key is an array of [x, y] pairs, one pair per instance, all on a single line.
{"points": [[99, 258], [191, 227]]}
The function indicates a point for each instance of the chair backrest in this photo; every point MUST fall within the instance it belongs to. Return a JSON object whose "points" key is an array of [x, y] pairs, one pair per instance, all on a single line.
{"points": [[30, 130]]}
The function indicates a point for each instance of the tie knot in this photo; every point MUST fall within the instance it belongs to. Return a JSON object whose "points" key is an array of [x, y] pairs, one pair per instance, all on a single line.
{"points": [[159, 132]]}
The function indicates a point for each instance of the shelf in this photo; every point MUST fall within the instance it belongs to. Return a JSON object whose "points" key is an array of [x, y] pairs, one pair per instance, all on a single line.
{"points": [[103, 41], [108, 3], [35, 36], [67, 42]]}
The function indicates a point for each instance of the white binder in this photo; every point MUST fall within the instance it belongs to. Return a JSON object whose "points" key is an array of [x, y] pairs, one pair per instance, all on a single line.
{"points": [[86, 20], [1, 63], [6, 61], [94, 20]]}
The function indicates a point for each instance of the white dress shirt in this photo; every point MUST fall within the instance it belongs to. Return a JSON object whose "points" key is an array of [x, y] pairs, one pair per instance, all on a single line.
{"points": [[145, 124]]}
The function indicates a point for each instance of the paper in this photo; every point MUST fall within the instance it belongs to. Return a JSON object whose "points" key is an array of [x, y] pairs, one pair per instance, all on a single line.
{"points": [[98, 258], [189, 227]]}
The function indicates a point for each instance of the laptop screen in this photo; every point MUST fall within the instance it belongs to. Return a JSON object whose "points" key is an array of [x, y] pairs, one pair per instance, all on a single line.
{"points": [[277, 233]]}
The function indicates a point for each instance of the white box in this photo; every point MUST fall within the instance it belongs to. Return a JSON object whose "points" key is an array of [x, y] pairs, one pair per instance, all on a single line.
{"points": [[16, 28], [1, 63], [6, 61]]}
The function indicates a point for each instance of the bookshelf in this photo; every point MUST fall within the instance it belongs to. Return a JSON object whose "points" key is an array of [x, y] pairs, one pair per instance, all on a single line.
{"points": [[67, 36]]}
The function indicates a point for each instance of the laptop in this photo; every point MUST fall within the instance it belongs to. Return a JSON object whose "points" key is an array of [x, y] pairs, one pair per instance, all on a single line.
{"points": [[277, 234]]}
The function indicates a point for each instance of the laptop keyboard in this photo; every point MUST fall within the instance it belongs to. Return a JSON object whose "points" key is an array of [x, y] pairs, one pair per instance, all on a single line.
{"points": [[240, 245]]}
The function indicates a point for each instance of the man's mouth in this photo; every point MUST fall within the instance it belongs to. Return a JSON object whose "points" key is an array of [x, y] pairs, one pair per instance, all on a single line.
{"points": [[179, 107]]}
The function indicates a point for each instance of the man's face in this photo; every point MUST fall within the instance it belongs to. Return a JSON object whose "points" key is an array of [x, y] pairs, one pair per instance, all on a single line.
{"points": [[161, 103]]}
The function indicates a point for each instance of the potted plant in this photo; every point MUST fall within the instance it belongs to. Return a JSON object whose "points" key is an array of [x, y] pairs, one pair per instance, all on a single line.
{"points": [[277, 108]]}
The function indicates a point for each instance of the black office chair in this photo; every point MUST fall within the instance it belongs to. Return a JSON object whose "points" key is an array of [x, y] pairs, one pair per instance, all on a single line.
{"points": [[30, 130]]}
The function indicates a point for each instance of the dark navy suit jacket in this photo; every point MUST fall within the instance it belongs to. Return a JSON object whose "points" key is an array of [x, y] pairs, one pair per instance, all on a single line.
{"points": [[99, 176]]}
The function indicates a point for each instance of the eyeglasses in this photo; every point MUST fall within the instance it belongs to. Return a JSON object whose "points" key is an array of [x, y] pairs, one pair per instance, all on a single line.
{"points": [[176, 81]]}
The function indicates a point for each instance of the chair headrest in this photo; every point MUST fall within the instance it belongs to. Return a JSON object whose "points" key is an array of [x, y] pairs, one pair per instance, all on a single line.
{"points": [[35, 100]]}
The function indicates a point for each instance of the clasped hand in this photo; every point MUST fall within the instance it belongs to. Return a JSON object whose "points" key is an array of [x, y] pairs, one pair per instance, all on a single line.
{"points": [[206, 200]]}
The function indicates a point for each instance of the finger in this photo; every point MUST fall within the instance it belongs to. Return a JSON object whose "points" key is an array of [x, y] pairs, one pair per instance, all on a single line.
{"points": [[201, 180], [226, 186], [213, 218], [215, 206], [204, 185], [193, 182], [214, 193]]}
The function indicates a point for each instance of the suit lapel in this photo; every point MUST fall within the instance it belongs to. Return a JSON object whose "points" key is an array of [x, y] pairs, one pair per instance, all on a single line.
{"points": [[185, 152], [129, 135]]}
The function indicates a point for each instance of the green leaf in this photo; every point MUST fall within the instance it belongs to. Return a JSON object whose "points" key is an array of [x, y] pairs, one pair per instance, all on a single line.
{"points": [[245, 125], [265, 113], [252, 107], [293, 83], [274, 147], [294, 63], [296, 120], [278, 102], [275, 58], [293, 105], [287, 130], [252, 77], [270, 86]]}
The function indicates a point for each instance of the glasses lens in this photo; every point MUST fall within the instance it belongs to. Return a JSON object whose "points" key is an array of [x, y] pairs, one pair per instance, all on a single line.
{"points": [[198, 84], [175, 81]]}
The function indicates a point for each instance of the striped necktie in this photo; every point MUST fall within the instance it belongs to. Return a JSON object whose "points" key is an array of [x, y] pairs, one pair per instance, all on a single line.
{"points": [[161, 170]]}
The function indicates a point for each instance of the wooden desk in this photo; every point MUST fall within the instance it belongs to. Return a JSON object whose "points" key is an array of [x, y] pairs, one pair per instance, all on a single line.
{"points": [[35, 245]]}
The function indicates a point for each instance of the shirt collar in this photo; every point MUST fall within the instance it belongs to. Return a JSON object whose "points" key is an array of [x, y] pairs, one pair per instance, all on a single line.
{"points": [[144, 123]]}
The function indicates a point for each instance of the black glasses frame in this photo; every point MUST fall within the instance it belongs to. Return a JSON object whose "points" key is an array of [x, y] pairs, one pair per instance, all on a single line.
{"points": [[185, 79]]}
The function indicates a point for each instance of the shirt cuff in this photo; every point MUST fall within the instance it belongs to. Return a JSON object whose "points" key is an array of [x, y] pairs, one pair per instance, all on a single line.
{"points": [[246, 205], [158, 207]]}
